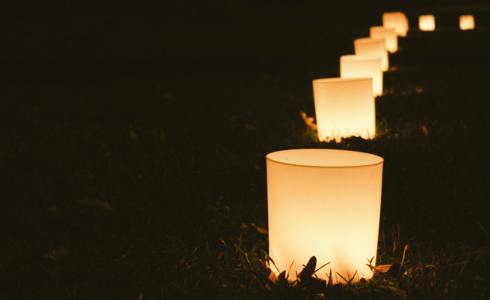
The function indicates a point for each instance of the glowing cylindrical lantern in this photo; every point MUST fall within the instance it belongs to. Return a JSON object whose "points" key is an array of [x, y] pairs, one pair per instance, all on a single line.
{"points": [[344, 107], [427, 23], [356, 66], [372, 47], [466, 22], [324, 203], [396, 20], [388, 34]]}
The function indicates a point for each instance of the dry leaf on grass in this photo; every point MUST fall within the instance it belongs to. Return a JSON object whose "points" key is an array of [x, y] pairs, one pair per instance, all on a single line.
{"points": [[309, 121]]}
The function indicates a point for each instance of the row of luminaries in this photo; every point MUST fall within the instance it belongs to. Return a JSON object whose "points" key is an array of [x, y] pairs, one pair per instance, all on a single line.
{"points": [[345, 106], [428, 22], [323, 202]]}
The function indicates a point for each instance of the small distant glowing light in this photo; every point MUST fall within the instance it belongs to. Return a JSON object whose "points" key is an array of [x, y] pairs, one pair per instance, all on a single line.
{"points": [[388, 34], [344, 108], [427, 23], [324, 203], [466, 22], [397, 20], [357, 66], [373, 47]]}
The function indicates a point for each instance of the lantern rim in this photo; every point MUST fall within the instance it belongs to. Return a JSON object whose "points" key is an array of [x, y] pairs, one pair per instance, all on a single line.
{"points": [[397, 12], [363, 159], [339, 79], [383, 28], [357, 57], [369, 40]]}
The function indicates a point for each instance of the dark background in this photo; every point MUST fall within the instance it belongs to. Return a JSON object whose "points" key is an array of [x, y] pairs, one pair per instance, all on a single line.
{"points": [[112, 40], [134, 139]]}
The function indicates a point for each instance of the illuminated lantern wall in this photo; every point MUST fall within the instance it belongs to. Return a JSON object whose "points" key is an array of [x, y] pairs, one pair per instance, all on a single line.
{"points": [[466, 22], [372, 47], [344, 108], [324, 203], [388, 34], [356, 66], [427, 23], [396, 20]]}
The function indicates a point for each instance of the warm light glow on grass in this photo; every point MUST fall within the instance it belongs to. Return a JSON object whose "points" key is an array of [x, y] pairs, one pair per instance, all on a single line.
{"points": [[325, 203]]}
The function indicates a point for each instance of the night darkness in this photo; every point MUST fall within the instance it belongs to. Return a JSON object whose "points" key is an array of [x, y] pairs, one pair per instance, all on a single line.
{"points": [[134, 139]]}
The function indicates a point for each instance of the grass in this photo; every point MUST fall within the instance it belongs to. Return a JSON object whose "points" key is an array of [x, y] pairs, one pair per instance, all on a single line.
{"points": [[145, 185]]}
